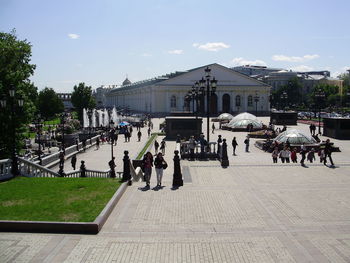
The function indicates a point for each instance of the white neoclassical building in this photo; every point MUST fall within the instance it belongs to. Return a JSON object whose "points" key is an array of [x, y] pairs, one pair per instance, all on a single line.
{"points": [[235, 92]]}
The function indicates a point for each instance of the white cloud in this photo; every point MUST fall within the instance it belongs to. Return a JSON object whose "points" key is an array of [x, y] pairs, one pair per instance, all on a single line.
{"points": [[211, 46], [73, 36], [302, 68], [146, 55], [345, 68], [242, 62], [294, 59], [176, 51]]}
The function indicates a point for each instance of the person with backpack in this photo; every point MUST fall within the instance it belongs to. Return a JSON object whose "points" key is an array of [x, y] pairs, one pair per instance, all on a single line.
{"points": [[160, 164], [246, 142]]}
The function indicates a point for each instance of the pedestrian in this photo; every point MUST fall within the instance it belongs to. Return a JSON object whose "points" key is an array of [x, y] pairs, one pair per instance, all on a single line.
{"points": [[311, 155], [112, 166], [321, 155], [328, 153], [82, 169], [274, 155], [285, 154], [97, 143], [139, 134], [293, 155], [162, 146], [160, 164], [84, 145], [234, 145], [147, 164], [61, 157], [126, 135], [156, 146], [116, 137], [192, 145], [130, 130], [246, 142], [73, 161], [213, 128], [149, 131], [303, 154]]}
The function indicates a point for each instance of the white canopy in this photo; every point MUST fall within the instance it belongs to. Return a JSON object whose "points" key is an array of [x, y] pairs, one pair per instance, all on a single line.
{"points": [[244, 116], [295, 137], [244, 123]]}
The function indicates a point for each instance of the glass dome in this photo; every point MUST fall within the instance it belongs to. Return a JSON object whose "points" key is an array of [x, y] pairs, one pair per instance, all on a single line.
{"points": [[244, 116], [295, 137], [243, 124], [225, 116]]}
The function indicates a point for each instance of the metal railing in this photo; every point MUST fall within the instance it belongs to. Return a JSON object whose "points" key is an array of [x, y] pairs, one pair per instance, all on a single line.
{"points": [[30, 169]]}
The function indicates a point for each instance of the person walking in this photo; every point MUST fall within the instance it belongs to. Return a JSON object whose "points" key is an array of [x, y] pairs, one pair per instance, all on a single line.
{"points": [[97, 143], [147, 164], [73, 161], [139, 134], [159, 164], [162, 146], [234, 145], [156, 146], [328, 153], [149, 131], [293, 155], [192, 145], [303, 154], [213, 128], [311, 156], [285, 154], [246, 142], [274, 155]]}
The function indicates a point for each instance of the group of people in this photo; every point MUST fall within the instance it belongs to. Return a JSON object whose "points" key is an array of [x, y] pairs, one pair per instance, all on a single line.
{"points": [[160, 165]]}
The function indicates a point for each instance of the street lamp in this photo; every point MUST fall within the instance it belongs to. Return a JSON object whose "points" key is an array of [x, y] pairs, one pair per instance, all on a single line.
{"points": [[38, 126], [256, 99], [319, 96], [284, 97], [210, 85], [13, 107], [112, 131], [63, 122]]}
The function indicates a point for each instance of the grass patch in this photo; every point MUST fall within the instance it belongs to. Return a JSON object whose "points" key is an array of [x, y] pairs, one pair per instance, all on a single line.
{"points": [[54, 121], [144, 149], [55, 199]]}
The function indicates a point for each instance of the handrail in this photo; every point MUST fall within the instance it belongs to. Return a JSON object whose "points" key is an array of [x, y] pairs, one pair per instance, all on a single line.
{"points": [[30, 169]]}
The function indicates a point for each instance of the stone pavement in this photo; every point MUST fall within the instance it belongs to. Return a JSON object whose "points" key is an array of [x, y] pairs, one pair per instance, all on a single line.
{"points": [[252, 211]]}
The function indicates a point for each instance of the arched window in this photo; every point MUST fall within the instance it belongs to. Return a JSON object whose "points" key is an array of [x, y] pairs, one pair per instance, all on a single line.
{"points": [[173, 102], [250, 100], [238, 101]]}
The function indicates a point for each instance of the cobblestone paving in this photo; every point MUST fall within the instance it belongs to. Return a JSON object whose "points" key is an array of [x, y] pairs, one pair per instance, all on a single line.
{"points": [[252, 211]]}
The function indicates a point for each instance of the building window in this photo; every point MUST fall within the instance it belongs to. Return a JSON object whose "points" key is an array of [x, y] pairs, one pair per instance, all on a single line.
{"points": [[250, 100], [173, 102], [238, 101]]}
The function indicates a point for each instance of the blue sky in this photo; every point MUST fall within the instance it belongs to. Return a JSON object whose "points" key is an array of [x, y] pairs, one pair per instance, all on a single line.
{"points": [[100, 42]]}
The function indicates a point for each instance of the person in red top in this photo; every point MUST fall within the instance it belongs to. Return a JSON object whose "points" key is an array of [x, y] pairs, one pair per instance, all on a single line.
{"points": [[293, 155], [147, 164]]}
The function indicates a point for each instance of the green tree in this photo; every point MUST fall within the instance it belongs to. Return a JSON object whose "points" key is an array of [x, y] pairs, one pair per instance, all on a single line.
{"points": [[49, 103], [82, 98], [15, 71], [345, 77]]}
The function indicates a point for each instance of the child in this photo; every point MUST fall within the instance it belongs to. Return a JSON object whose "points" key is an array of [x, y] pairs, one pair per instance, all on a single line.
{"points": [[311, 155], [275, 155], [293, 156]]}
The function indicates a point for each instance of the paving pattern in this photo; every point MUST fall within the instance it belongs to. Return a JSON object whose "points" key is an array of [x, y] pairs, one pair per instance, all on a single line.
{"points": [[252, 211]]}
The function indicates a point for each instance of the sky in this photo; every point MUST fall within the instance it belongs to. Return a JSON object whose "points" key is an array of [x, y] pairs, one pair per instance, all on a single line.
{"points": [[101, 42]]}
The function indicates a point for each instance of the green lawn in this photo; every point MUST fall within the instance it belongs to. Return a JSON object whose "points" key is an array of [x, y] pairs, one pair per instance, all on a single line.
{"points": [[55, 199], [143, 151]]}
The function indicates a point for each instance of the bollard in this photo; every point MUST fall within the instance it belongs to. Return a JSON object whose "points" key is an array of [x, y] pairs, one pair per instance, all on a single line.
{"points": [[177, 177], [224, 158], [82, 169], [126, 168], [219, 144]]}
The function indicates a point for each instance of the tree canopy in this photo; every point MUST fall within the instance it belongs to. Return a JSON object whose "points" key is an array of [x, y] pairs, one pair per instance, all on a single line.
{"points": [[15, 71], [82, 98], [49, 103]]}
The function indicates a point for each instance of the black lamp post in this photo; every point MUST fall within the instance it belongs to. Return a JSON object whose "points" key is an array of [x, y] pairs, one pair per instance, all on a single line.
{"points": [[319, 96], [38, 127], [284, 97], [111, 125], [210, 85], [13, 106], [63, 122], [256, 99]]}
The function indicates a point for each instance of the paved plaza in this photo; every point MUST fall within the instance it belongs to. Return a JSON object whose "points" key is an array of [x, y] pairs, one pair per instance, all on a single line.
{"points": [[252, 211]]}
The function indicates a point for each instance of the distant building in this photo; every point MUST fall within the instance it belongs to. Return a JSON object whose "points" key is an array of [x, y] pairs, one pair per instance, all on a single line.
{"points": [[100, 95], [255, 71], [235, 92], [66, 99]]}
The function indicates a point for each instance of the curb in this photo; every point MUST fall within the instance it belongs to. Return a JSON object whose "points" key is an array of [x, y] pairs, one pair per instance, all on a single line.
{"points": [[66, 227]]}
